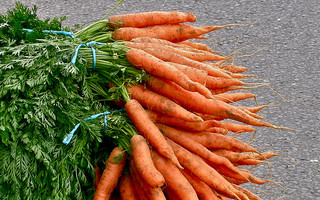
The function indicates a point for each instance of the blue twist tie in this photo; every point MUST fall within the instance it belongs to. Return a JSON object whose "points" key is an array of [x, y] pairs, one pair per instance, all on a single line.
{"points": [[89, 44], [70, 34], [68, 138]]}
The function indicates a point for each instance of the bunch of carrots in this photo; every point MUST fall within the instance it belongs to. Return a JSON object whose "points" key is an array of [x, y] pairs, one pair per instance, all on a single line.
{"points": [[183, 114]]}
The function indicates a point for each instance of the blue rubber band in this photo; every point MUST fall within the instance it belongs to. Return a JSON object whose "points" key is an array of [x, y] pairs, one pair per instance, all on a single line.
{"points": [[66, 33], [68, 138]]}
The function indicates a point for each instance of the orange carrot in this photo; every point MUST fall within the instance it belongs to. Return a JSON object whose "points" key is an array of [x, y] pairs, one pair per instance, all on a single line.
{"points": [[204, 172], [176, 58], [215, 140], [228, 89], [192, 126], [157, 67], [154, 193], [170, 194], [170, 32], [111, 174], [261, 156], [198, 56], [203, 190], [175, 180], [238, 158], [136, 183], [195, 147], [145, 19], [256, 108], [234, 68], [234, 181], [148, 129], [208, 106], [196, 75], [97, 177], [249, 162], [126, 188], [233, 97], [196, 45], [215, 82], [143, 161], [238, 128], [247, 192], [159, 103]]}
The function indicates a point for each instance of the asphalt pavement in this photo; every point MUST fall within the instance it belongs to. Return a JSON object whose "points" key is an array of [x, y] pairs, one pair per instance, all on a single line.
{"points": [[285, 38]]}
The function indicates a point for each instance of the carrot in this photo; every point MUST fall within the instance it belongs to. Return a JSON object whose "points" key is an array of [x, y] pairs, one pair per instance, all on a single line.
{"points": [[247, 192], [157, 67], [203, 191], [170, 32], [192, 126], [234, 181], [234, 68], [176, 58], [196, 75], [111, 174], [249, 162], [197, 45], [198, 56], [238, 128], [256, 108], [204, 172], [170, 194], [137, 186], [126, 188], [144, 165], [215, 140], [159, 103], [261, 156], [145, 19], [230, 88], [215, 82], [98, 176], [208, 106], [233, 156], [233, 97], [152, 193], [149, 130], [175, 180]]}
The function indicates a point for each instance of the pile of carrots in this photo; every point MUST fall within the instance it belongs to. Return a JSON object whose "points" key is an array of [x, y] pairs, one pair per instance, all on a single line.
{"points": [[184, 116]]}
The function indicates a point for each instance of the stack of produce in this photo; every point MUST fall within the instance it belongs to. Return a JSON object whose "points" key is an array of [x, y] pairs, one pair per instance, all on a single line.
{"points": [[166, 104]]}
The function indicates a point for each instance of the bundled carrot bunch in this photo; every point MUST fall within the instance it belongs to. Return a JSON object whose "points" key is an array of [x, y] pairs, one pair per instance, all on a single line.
{"points": [[182, 113]]}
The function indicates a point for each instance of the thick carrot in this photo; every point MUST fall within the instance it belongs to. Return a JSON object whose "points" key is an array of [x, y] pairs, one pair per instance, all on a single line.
{"points": [[197, 45], [208, 106], [192, 126], [126, 188], [216, 83], [204, 172], [170, 194], [202, 189], [198, 56], [176, 58], [157, 67], [159, 103], [111, 174], [148, 129], [145, 19], [152, 193], [170, 32], [233, 97], [143, 161], [175, 180], [196, 75], [137, 186], [195, 147], [238, 128], [215, 140]]}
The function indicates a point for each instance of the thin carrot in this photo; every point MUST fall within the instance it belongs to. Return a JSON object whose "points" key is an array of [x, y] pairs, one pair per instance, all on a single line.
{"points": [[157, 67], [195, 147], [216, 82], [249, 162], [143, 161], [231, 88], [215, 140], [238, 128], [126, 188], [198, 56], [261, 156], [153, 193], [175, 180], [231, 155], [234, 68], [233, 97], [136, 183], [197, 45], [145, 19], [111, 174], [159, 103], [204, 172], [196, 75], [247, 192], [208, 106], [203, 190], [170, 32], [176, 58], [192, 126], [256, 108], [148, 129], [234, 181]]}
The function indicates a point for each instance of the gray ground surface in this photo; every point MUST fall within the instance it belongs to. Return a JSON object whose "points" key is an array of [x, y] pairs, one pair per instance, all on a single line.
{"points": [[290, 63]]}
